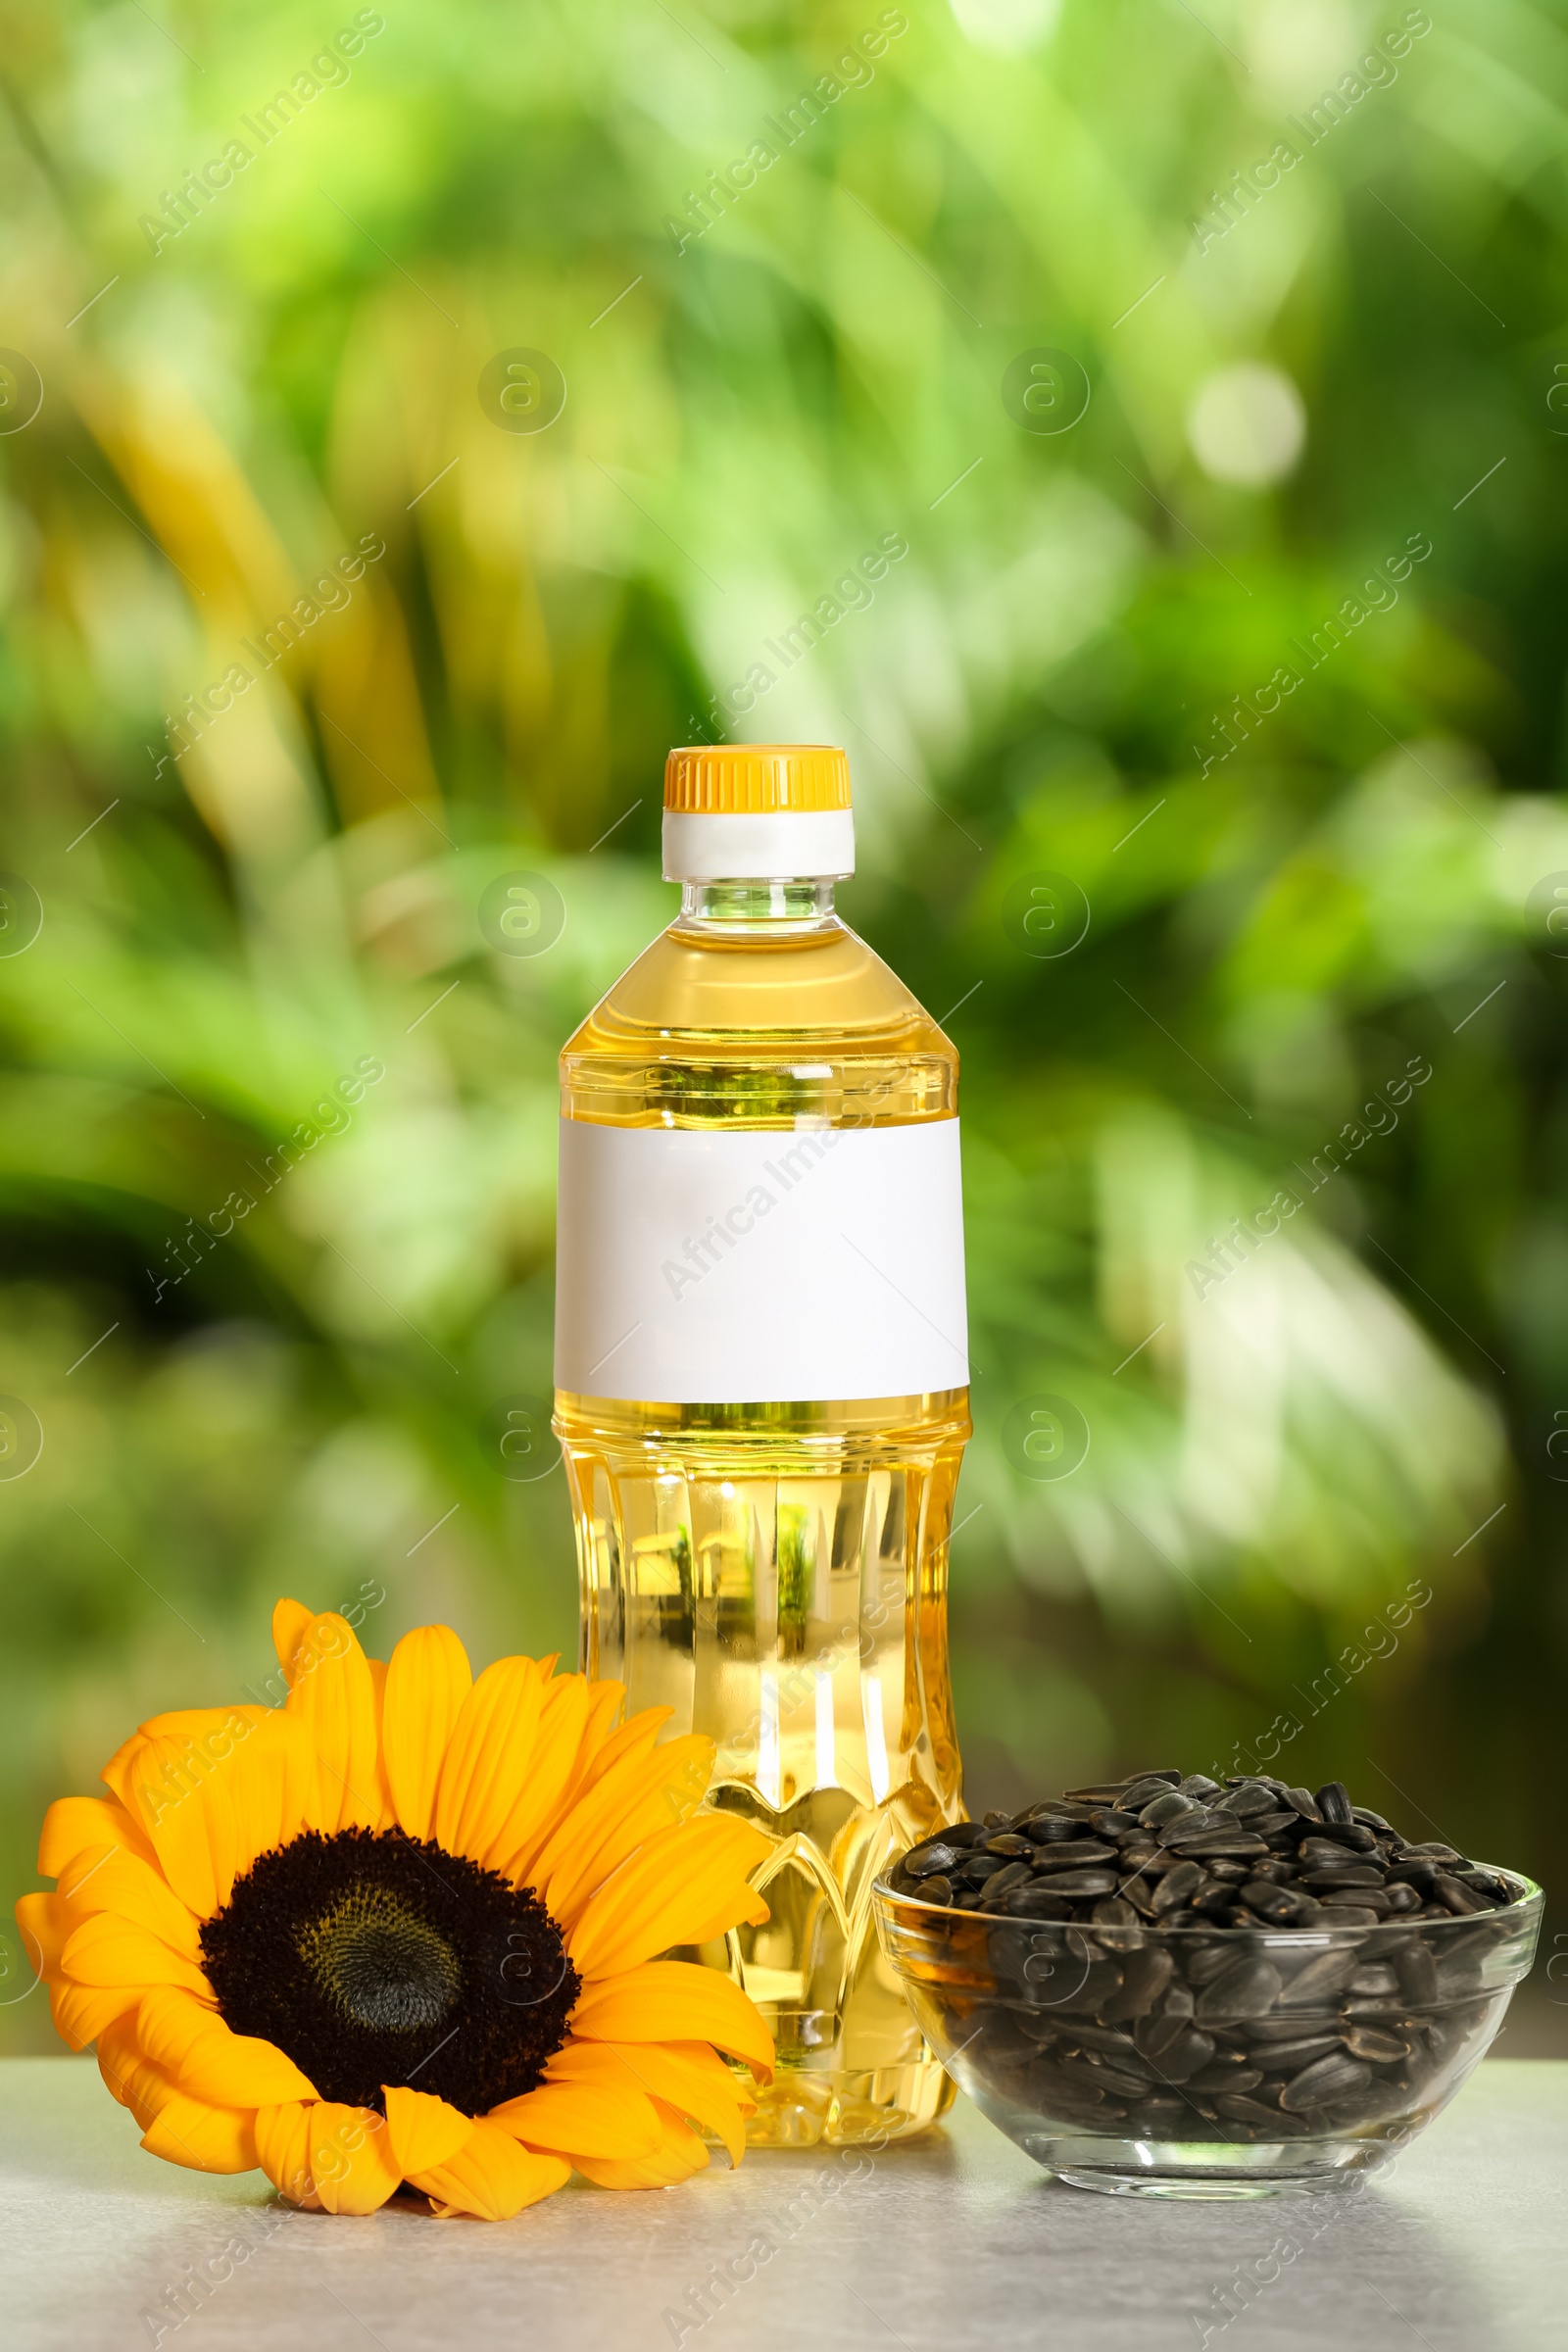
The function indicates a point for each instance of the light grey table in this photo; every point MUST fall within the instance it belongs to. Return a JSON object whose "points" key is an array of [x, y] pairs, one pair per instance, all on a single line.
{"points": [[948, 2244]]}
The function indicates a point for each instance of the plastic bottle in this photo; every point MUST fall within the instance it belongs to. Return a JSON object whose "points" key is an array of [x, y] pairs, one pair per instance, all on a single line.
{"points": [[762, 1395]]}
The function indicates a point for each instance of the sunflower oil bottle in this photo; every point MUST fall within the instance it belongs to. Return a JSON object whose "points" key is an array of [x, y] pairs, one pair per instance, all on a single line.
{"points": [[762, 1395]]}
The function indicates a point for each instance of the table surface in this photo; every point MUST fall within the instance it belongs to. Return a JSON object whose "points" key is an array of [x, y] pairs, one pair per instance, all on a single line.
{"points": [[951, 2243]]}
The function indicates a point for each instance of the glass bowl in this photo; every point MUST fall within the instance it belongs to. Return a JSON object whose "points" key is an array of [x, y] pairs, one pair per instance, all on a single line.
{"points": [[1197, 2062]]}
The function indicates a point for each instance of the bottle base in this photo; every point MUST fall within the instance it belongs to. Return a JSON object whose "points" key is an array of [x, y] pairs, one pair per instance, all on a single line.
{"points": [[810, 2107]]}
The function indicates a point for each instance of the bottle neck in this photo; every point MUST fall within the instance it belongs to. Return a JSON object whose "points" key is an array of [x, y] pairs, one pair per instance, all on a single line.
{"points": [[774, 910]]}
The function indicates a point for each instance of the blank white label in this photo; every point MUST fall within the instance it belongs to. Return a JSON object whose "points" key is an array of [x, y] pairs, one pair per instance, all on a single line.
{"points": [[761, 1267]]}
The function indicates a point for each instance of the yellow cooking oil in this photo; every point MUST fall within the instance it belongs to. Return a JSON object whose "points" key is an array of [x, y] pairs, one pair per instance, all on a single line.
{"points": [[749, 1150]]}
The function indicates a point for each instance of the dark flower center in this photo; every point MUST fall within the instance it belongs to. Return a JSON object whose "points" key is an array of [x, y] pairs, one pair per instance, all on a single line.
{"points": [[382, 1963], [373, 1958]]}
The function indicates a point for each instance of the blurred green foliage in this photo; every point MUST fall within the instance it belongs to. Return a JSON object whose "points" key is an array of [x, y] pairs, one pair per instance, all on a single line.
{"points": [[1044, 686]]}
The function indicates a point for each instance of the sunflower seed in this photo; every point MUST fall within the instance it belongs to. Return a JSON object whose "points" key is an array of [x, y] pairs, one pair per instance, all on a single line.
{"points": [[1358, 1901], [1152, 2036], [1074, 1853], [1172, 1807], [1456, 1897], [1113, 1912], [1206, 1963], [1329, 2078], [1119, 2081], [1247, 1988], [1277, 1904], [1053, 2087], [1379, 2045], [1052, 1831], [975, 1867], [928, 1860], [1000, 1881], [1143, 1978], [1229, 1845], [1485, 1882], [1250, 1797], [1288, 2057], [1183, 2057], [1324, 1976], [1145, 1789], [1177, 1887], [1218, 2077], [1078, 1882], [1333, 1802], [1107, 1821], [1037, 1900]]}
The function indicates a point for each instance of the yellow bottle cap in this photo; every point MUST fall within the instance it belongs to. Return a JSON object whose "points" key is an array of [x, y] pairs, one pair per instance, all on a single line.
{"points": [[756, 779]]}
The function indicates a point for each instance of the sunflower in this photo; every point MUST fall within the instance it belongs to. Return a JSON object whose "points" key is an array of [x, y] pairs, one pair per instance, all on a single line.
{"points": [[404, 1930]]}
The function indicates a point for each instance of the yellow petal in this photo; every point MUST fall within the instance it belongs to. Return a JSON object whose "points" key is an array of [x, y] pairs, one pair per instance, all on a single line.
{"points": [[424, 2131], [490, 2177], [562, 1722], [272, 1787], [257, 1782], [191, 1743], [490, 1758], [582, 2119], [135, 1891], [351, 2158], [604, 1702], [76, 1825], [684, 1886], [291, 1621], [204, 2139], [426, 1682], [106, 1951], [385, 1811], [81, 2012], [195, 1724], [688, 2076], [598, 1729], [119, 2055], [152, 2096], [679, 2154], [615, 1770], [649, 1790], [284, 2151], [198, 2051], [633, 1738], [132, 2077], [116, 1775], [44, 1925], [181, 1790], [332, 1695], [675, 2000]]}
